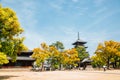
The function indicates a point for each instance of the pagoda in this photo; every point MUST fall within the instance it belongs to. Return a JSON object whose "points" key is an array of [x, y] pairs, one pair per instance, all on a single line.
{"points": [[86, 61], [79, 42]]}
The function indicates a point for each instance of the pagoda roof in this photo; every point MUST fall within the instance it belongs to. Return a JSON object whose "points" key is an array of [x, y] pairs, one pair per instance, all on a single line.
{"points": [[79, 41]]}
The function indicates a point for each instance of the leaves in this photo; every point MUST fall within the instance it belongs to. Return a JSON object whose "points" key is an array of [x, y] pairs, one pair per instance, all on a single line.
{"points": [[10, 42], [55, 57], [82, 54], [97, 61], [40, 54], [107, 52], [9, 24], [3, 59], [59, 45], [70, 57]]}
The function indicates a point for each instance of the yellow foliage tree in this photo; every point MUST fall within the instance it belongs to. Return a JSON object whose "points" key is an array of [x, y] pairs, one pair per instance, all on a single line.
{"points": [[3, 59], [97, 61], [107, 51], [54, 57], [70, 57], [40, 54], [10, 41]]}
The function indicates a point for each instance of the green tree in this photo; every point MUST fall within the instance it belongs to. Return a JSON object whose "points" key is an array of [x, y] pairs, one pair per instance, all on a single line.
{"points": [[59, 45], [82, 54]]}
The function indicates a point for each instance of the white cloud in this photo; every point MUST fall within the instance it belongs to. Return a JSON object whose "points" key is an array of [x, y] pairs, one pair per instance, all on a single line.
{"points": [[75, 0], [55, 6], [100, 19], [27, 14], [33, 39], [100, 12], [99, 2]]}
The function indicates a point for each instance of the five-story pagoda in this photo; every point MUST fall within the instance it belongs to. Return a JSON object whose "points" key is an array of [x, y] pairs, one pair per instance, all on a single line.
{"points": [[79, 42]]}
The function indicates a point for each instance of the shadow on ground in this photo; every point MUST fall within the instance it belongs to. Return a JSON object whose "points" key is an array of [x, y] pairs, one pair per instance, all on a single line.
{"points": [[6, 77]]}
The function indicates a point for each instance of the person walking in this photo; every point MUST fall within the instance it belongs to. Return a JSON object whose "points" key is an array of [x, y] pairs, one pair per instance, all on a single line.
{"points": [[104, 68]]}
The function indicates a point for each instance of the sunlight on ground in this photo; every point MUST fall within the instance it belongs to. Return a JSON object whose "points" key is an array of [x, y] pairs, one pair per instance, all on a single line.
{"points": [[60, 75]]}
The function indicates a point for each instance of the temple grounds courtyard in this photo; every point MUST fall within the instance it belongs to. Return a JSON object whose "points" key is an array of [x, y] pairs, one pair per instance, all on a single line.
{"points": [[59, 75]]}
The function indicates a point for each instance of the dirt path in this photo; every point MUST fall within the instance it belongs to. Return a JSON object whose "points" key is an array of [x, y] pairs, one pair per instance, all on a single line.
{"points": [[60, 75]]}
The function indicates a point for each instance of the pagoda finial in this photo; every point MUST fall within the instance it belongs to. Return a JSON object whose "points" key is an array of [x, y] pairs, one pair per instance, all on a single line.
{"points": [[78, 36]]}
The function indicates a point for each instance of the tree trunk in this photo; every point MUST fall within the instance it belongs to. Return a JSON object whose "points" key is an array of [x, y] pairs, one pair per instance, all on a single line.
{"points": [[60, 66], [108, 65], [115, 64], [79, 66], [42, 69]]}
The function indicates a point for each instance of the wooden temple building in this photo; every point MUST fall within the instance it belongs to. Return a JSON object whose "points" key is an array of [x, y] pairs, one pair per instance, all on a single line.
{"points": [[23, 60]]}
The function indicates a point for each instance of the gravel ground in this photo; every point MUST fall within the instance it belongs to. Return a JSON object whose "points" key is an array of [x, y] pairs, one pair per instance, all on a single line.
{"points": [[59, 75]]}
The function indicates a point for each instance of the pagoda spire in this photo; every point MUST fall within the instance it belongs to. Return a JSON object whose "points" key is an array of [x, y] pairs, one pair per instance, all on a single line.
{"points": [[79, 42], [78, 36]]}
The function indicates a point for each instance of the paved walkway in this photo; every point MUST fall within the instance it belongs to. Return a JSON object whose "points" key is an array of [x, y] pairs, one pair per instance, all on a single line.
{"points": [[60, 75]]}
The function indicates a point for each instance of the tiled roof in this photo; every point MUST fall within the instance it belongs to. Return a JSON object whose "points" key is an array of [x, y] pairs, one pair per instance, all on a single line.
{"points": [[22, 58]]}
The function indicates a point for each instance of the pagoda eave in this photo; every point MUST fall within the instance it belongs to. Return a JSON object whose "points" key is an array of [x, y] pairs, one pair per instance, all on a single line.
{"points": [[79, 43]]}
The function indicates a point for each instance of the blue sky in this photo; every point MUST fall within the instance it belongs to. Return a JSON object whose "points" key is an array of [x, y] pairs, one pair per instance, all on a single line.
{"points": [[60, 20]]}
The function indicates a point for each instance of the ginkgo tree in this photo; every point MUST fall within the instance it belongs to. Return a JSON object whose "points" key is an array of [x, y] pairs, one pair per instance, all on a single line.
{"points": [[47, 53], [3, 59], [70, 58], [97, 61], [109, 52], [54, 57], [10, 41], [58, 49], [40, 54]]}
